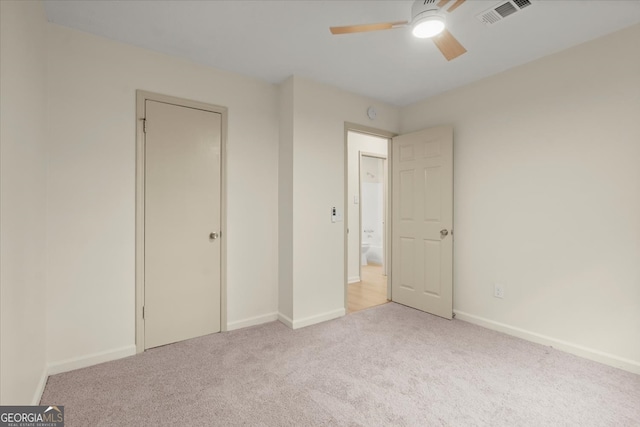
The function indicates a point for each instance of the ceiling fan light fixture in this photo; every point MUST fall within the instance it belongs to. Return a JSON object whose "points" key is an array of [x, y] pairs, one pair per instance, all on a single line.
{"points": [[428, 24]]}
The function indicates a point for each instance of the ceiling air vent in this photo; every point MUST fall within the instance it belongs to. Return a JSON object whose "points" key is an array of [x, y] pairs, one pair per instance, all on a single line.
{"points": [[522, 3], [501, 11], [506, 9]]}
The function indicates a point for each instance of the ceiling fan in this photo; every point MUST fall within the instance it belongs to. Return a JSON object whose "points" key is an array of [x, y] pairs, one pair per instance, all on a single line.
{"points": [[427, 21]]}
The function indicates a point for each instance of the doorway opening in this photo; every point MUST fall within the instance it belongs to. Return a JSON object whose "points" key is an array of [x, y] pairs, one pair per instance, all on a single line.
{"points": [[367, 221], [418, 226]]}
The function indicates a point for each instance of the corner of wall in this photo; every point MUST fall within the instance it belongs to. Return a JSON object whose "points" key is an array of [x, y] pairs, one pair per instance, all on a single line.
{"points": [[23, 285], [285, 198]]}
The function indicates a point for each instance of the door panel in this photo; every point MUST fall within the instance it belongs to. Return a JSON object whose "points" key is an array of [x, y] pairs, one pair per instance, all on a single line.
{"points": [[406, 194], [432, 196], [431, 265], [407, 264], [182, 208], [422, 206]]}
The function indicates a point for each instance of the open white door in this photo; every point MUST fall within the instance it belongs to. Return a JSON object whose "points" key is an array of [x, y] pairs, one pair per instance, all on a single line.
{"points": [[422, 214]]}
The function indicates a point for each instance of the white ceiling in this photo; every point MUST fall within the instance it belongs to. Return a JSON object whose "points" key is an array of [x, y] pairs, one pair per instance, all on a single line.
{"points": [[272, 40]]}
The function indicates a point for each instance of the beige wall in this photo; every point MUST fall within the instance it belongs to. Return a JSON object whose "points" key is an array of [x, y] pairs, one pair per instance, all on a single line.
{"points": [[547, 197], [320, 113], [22, 204], [369, 144], [91, 189]]}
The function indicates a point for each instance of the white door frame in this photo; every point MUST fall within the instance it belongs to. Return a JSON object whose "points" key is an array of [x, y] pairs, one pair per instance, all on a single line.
{"points": [[141, 98], [354, 127]]}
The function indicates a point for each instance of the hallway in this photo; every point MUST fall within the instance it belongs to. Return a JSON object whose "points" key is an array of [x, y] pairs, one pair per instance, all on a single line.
{"points": [[370, 291]]}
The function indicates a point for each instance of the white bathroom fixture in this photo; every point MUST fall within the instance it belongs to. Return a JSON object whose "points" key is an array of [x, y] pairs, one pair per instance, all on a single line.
{"points": [[363, 252]]}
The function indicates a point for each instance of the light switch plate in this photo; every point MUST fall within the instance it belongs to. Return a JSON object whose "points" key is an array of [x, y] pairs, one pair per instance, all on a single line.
{"points": [[336, 215]]}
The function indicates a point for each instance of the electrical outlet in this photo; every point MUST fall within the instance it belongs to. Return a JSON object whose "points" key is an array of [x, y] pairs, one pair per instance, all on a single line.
{"points": [[498, 290]]}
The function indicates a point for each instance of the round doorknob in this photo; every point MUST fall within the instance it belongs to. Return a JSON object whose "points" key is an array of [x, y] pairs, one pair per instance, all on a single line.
{"points": [[444, 233], [213, 236]]}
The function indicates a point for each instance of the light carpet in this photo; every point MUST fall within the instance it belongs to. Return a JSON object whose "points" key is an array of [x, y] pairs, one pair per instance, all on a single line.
{"points": [[389, 365]]}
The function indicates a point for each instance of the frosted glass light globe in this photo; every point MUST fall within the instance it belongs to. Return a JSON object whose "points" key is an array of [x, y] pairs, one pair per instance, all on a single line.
{"points": [[428, 26]]}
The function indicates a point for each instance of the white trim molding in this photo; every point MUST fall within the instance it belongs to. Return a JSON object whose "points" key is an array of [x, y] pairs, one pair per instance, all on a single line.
{"points": [[37, 396], [318, 318], [90, 359], [77, 363], [354, 279], [578, 350], [286, 320], [252, 321]]}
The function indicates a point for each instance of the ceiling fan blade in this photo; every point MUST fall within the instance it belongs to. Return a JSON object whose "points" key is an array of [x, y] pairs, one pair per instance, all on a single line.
{"points": [[367, 27], [456, 5], [442, 3], [448, 45]]}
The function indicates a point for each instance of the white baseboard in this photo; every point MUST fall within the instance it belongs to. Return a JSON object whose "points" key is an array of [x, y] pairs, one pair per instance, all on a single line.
{"points": [[578, 350], [286, 320], [252, 321], [90, 359], [354, 279], [312, 320], [40, 388]]}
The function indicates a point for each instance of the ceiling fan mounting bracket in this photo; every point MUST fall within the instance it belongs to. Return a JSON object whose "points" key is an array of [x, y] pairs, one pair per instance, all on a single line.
{"points": [[422, 6]]}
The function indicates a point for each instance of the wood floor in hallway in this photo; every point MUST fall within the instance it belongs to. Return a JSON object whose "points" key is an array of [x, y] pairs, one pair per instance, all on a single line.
{"points": [[370, 291]]}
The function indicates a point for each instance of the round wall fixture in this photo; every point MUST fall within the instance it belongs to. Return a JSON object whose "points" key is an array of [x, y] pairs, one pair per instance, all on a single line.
{"points": [[372, 113]]}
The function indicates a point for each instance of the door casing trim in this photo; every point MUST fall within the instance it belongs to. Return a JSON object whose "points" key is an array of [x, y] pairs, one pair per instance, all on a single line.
{"points": [[141, 97]]}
